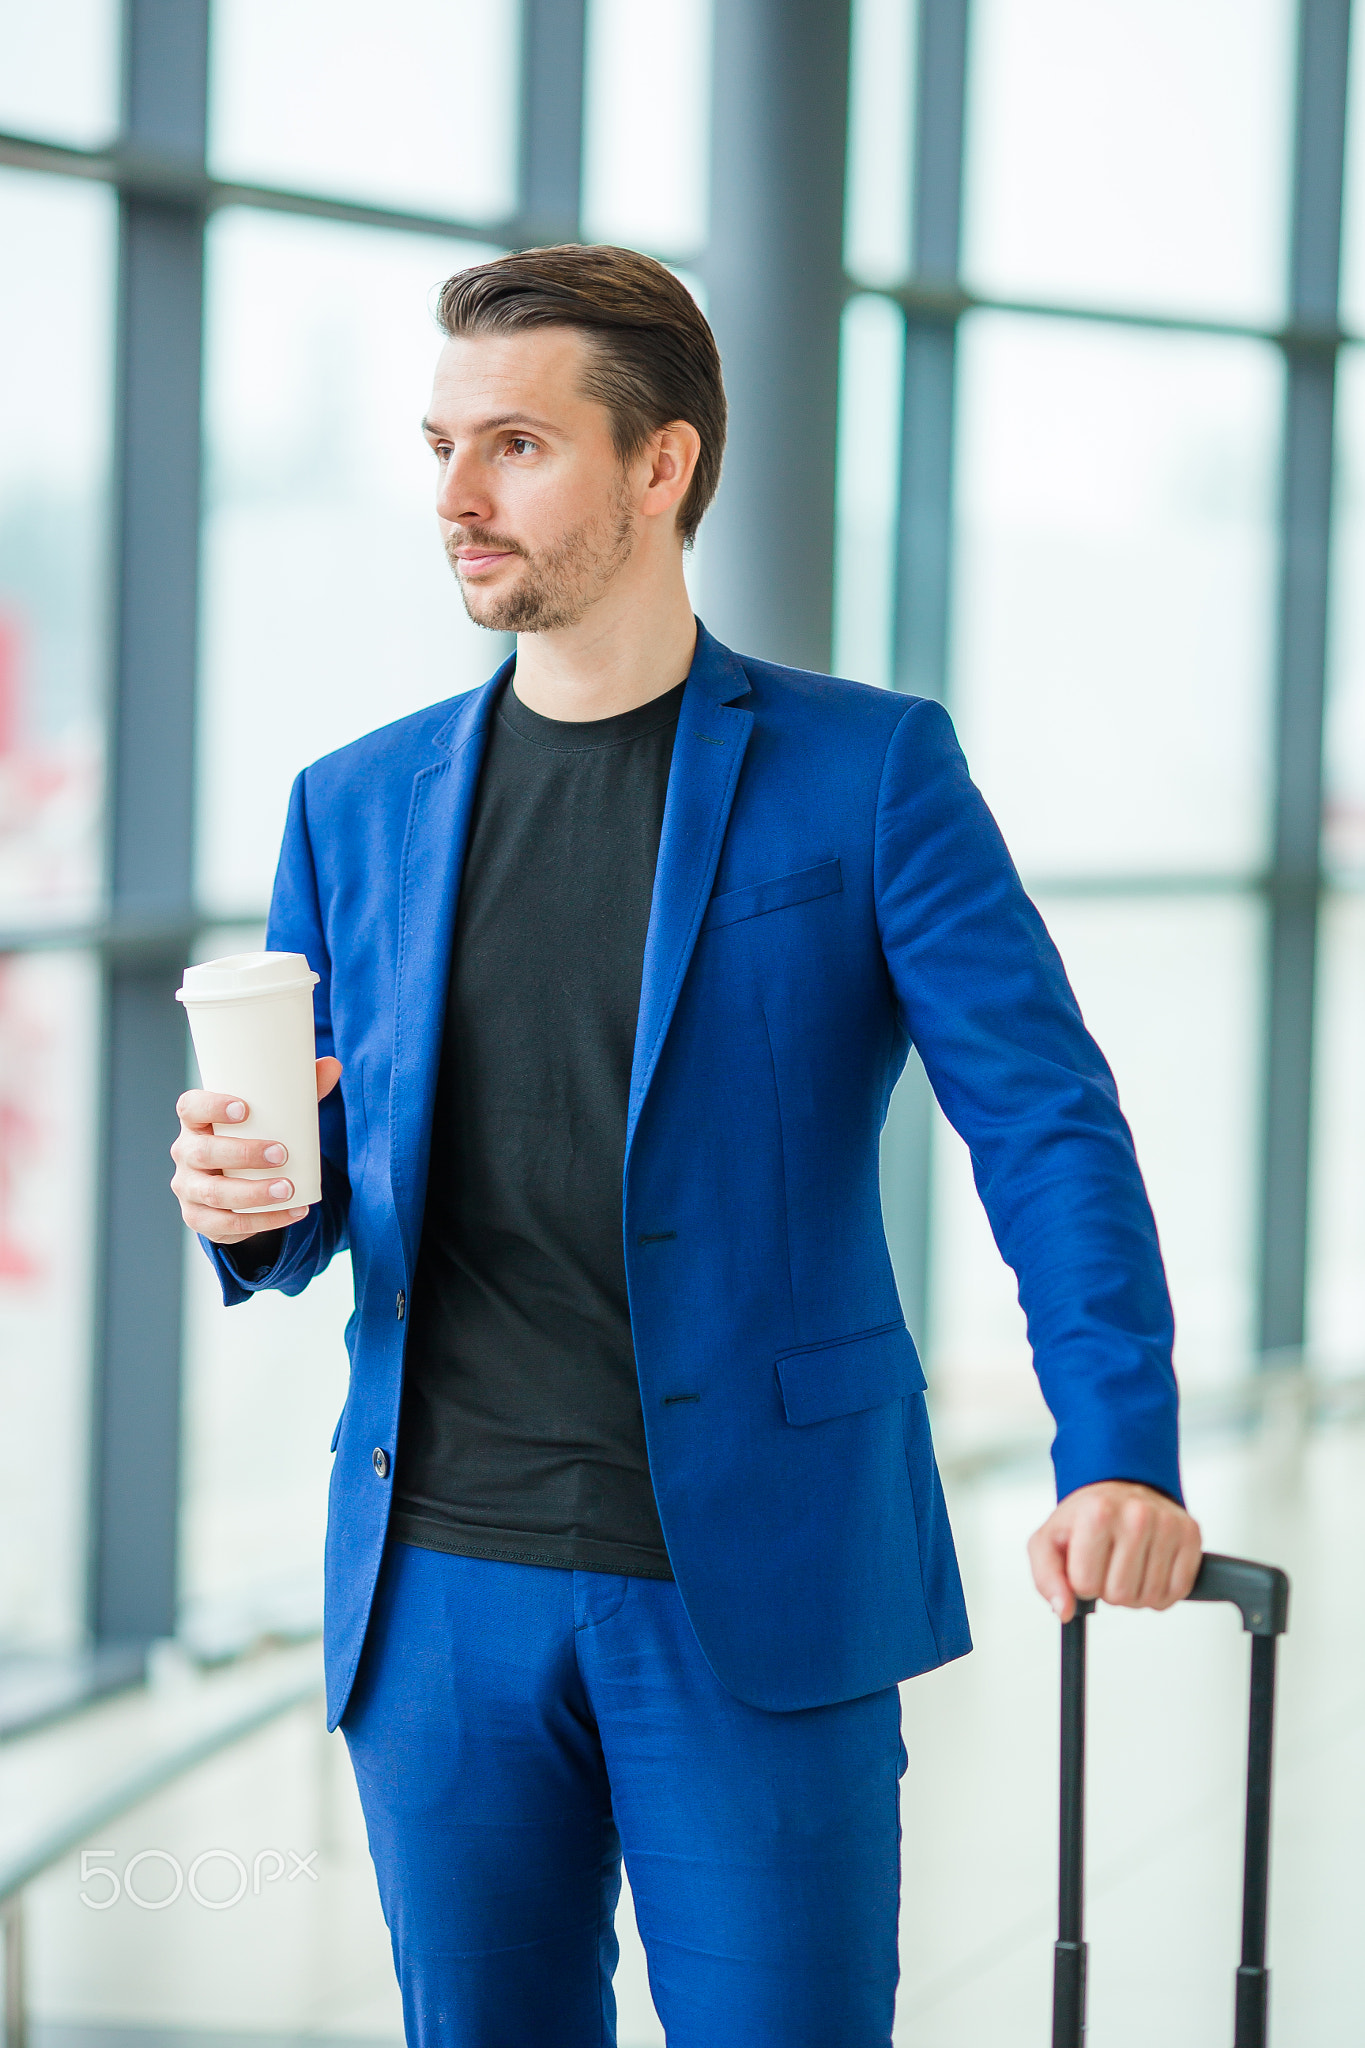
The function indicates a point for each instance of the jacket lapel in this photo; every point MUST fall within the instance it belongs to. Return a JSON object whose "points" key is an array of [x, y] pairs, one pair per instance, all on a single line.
{"points": [[707, 751], [439, 811]]}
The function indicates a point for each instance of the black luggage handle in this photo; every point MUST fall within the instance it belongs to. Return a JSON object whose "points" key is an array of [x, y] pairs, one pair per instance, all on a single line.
{"points": [[1260, 1592]]}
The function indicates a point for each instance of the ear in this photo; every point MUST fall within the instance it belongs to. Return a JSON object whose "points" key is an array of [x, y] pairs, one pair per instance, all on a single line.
{"points": [[671, 456]]}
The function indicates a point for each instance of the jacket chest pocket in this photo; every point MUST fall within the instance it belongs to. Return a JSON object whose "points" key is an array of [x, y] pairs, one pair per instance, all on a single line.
{"points": [[825, 879]]}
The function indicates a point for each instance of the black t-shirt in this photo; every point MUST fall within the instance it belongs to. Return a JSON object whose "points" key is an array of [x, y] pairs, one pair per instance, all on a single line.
{"points": [[521, 1434]]}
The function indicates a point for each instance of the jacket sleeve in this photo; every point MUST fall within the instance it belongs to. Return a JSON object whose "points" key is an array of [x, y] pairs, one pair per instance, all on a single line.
{"points": [[986, 1002], [295, 926]]}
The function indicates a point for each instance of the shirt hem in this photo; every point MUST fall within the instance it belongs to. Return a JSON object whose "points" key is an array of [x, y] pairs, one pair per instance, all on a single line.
{"points": [[517, 1547]]}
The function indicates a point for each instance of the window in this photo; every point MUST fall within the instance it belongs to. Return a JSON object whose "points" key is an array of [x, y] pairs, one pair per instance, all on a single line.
{"points": [[414, 105], [1113, 631], [328, 605], [55, 405], [1131, 154], [880, 190], [60, 73], [648, 131], [872, 349], [49, 1026], [1097, 391]]}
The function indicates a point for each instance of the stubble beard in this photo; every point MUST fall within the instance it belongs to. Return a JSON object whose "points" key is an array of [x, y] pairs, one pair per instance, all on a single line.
{"points": [[560, 583]]}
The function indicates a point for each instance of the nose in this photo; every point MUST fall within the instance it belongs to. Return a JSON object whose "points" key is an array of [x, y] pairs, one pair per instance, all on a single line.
{"points": [[462, 495]]}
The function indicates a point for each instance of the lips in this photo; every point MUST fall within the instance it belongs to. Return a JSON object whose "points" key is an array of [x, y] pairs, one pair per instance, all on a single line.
{"points": [[471, 560]]}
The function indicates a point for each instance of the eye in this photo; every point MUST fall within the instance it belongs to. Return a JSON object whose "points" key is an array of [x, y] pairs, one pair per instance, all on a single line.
{"points": [[441, 450], [522, 444]]}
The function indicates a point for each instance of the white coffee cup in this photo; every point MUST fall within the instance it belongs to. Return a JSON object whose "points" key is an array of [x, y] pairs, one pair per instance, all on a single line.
{"points": [[251, 1018]]}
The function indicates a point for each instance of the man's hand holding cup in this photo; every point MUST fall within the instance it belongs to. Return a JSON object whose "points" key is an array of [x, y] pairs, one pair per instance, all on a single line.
{"points": [[227, 1211]]}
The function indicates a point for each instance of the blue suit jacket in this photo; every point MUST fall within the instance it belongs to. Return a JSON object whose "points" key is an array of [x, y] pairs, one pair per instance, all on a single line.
{"points": [[830, 889]]}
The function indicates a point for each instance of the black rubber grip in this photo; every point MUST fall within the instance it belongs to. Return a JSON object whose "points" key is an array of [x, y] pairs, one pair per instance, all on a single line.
{"points": [[1259, 1591]]}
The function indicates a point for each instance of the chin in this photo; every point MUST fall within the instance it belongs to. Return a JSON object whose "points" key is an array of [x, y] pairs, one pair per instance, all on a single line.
{"points": [[485, 607]]}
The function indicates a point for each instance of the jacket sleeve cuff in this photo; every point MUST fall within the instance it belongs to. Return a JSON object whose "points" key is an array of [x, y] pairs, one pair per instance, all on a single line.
{"points": [[237, 1286], [1143, 1450]]}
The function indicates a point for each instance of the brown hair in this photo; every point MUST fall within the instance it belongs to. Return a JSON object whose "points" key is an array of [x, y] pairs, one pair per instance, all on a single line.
{"points": [[654, 357]]}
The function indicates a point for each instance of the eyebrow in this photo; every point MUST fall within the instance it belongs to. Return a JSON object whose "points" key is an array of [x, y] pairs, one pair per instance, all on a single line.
{"points": [[490, 426]]}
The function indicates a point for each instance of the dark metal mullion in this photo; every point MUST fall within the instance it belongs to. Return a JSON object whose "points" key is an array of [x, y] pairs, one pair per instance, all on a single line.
{"points": [[923, 591], [773, 270], [153, 177], [140, 1242], [553, 36], [1301, 652], [953, 301], [145, 175]]}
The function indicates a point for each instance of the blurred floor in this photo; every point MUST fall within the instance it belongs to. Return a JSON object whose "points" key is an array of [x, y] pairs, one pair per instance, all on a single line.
{"points": [[309, 1958]]}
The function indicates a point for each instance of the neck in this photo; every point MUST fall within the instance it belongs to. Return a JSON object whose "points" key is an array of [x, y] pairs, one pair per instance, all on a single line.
{"points": [[629, 647]]}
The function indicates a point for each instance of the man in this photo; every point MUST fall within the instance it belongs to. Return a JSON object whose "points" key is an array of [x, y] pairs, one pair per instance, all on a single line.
{"points": [[635, 1522]]}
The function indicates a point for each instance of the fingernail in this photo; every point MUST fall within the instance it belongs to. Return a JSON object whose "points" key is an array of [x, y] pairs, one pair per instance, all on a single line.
{"points": [[1058, 1605], [274, 1155], [235, 1111], [281, 1190]]}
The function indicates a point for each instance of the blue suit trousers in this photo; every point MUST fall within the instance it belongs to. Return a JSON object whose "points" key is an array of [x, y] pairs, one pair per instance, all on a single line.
{"points": [[516, 1729]]}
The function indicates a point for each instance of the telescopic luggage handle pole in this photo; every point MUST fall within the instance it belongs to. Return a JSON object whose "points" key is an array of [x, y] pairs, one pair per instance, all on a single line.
{"points": [[1069, 1951], [1260, 1592]]}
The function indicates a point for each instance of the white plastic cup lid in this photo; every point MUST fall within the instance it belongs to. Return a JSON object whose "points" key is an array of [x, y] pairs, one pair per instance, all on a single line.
{"points": [[246, 974]]}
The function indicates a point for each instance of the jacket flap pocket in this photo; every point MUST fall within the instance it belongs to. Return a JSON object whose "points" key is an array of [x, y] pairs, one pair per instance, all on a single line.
{"points": [[858, 1372], [825, 880]]}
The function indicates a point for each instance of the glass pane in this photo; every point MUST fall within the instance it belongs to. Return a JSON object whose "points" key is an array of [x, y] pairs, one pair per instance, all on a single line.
{"points": [[55, 389], [49, 1012], [1336, 1319], [1353, 217], [1113, 616], [881, 116], [272, 1369], [1170, 988], [871, 362], [647, 135], [1344, 762], [1131, 154], [59, 69], [329, 608], [413, 104]]}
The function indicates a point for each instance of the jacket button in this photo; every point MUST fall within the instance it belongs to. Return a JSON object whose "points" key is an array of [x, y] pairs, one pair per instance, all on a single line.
{"points": [[381, 1463], [401, 1305]]}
